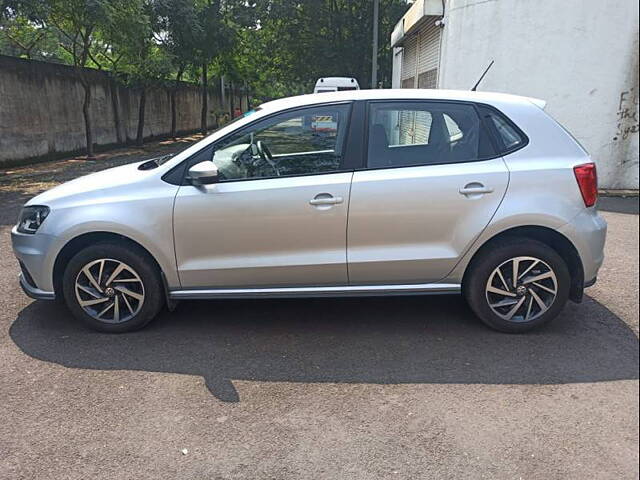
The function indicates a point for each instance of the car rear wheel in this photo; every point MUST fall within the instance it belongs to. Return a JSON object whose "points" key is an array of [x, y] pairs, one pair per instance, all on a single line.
{"points": [[113, 287], [517, 284]]}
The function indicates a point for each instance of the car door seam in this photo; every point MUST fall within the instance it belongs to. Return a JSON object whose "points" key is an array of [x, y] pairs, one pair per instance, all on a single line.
{"points": [[479, 235], [173, 233], [346, 233]]}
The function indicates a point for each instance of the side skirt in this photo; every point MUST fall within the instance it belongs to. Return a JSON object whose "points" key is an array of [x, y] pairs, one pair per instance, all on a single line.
{"points": [[328, 291]]}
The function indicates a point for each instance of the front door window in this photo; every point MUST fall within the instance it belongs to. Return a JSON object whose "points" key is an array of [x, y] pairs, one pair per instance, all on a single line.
{"points": [[301, 142]]}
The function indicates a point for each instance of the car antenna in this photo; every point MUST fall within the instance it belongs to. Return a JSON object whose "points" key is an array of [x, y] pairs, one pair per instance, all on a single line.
{"points": [[481, 77]]}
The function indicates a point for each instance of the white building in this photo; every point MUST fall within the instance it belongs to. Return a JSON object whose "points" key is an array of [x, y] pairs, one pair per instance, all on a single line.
{"points": [[581, 56]]}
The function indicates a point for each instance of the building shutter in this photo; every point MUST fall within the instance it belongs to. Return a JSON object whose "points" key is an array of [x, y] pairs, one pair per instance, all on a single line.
{"points": [[428, 55], [428, 79], [409, 58], [414, 127], [408, 82], [422, 128], [405, 125]]}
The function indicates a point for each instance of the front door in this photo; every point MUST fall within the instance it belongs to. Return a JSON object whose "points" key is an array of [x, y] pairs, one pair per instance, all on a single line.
{"points": [[278, 216], [431, 185]]}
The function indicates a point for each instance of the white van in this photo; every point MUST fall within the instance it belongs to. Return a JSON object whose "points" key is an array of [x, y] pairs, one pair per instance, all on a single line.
{"points": [[335, 84]]}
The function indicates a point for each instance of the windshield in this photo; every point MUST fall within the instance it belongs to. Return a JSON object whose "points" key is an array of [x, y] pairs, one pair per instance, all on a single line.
{"points": [[245, 114], [165, 158]]}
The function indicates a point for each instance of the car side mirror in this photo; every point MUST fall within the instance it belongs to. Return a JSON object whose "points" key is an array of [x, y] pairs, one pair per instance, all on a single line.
{"points": [[203, 173]]}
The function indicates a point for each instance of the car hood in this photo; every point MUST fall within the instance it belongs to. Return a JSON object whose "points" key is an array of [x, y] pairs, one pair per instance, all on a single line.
{"points": [[98, 184]]}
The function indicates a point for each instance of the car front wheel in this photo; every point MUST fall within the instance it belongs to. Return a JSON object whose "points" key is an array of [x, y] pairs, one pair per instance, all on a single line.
{"points": [[517, 284], [113, 287]]}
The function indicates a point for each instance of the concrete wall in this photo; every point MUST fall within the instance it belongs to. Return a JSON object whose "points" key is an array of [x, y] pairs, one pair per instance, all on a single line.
{"points": [[581, 56], [41, 110], [396, 76]]}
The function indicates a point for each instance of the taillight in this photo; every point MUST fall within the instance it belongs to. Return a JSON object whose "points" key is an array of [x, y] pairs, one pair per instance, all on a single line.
{"points": [[587, 178]]}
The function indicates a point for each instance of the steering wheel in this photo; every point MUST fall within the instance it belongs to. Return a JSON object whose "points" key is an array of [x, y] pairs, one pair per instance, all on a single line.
{"points": [[266, 155]]}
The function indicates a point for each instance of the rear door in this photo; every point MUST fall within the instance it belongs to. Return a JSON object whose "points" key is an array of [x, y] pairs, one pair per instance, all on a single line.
{"points": [[431, 184]]}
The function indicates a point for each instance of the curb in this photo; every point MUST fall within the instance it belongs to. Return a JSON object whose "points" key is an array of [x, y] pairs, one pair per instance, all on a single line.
{"points": [[618, 193]]}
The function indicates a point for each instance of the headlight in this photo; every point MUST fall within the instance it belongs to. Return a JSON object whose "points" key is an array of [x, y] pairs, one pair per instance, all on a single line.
{"points": [[31, 218]]}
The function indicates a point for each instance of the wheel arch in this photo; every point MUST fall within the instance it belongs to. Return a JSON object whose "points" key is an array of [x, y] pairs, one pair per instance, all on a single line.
{"points": [[91, 238], [550, 237]]}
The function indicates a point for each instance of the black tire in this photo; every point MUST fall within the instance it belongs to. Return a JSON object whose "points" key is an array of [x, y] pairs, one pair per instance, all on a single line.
{"points": [[141, 263], [496, 254]]}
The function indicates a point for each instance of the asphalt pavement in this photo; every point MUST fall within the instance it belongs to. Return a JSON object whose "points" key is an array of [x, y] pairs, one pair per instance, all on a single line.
{"points": [[371, 388]]}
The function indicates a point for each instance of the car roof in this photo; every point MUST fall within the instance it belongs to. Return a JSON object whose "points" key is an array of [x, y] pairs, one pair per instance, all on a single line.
{"points": [[401, 94]]}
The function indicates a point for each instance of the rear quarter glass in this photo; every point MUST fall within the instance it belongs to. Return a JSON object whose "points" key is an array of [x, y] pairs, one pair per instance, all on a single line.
{"points": [[508, 136]]}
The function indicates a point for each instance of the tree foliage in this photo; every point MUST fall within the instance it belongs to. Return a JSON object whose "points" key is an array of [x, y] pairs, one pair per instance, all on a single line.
{"points": [[275, 47], [271, 48], [294, 42]]}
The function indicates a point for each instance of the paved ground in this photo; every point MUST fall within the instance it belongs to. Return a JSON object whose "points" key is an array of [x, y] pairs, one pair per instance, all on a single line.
{"points": [[372, 388], [619, 204]]}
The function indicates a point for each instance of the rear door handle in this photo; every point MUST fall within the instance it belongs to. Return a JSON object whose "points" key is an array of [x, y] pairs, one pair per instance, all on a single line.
{"points": [[475, 188], [325, 199]]}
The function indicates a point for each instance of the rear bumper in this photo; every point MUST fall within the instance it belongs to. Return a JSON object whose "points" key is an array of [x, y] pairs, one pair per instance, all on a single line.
{"points": [[588, 232], [590, 283]]}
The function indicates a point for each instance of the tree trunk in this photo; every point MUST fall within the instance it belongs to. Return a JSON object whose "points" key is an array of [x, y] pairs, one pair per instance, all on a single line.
{"points": [[86, 112], [143, 101], [205, 106], [173, 133], [174, 112], [231, 100], [223, 95], [246, 94], [116, 110]]}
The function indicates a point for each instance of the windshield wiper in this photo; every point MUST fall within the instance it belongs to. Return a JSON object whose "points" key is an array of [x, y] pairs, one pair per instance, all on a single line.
{"points": [[155, 162]]}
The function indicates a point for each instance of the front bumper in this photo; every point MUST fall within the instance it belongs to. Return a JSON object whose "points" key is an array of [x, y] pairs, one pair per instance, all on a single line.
{"points": [[35, 292], [35, 254]]}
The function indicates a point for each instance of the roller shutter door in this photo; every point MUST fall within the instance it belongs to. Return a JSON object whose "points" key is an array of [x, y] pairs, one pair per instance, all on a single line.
{"points": [[409, 58], [422, 128], [414, 127], [428, 56]]}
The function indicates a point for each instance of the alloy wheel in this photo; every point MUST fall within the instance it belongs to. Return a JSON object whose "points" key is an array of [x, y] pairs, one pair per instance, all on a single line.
{"points": [[521, 289], [109, 290]]}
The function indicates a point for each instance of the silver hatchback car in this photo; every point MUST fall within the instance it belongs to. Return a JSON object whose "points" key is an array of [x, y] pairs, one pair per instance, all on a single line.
{"points": [[370, 192]]}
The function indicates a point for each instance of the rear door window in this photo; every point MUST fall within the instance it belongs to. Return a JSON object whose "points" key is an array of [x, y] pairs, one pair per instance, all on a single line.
{"points": [[425, 133]]}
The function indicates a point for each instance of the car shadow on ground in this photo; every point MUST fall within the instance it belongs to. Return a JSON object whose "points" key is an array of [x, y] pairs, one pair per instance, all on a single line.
{"points": [[369, 340]]}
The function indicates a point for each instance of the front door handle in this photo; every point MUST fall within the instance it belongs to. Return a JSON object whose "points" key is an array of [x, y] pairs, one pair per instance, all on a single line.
{"points": [[475, 188], [325, 199]]}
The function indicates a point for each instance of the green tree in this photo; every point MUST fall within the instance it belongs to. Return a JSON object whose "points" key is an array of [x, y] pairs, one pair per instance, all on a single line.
{"points": [[179, 29], [294, 42], [121, 25], [271, 48], [75, 24], [213, 38], [332, 37], [145, 63], [24, 38]]}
